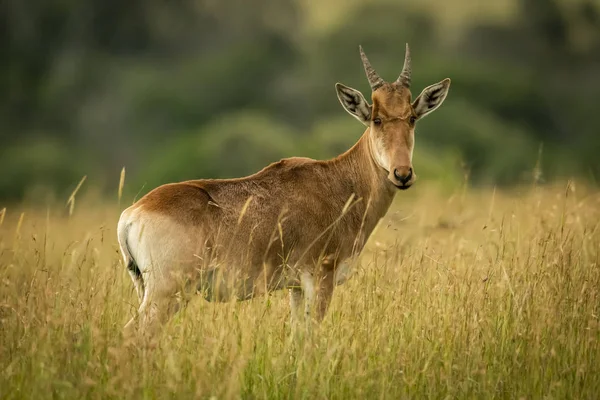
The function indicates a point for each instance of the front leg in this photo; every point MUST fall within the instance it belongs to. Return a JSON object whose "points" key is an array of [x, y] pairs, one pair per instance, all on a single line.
{"points": [[303, 295], [343, 273], [296, 303], [325, 292], [309, 294], [307, 282]]}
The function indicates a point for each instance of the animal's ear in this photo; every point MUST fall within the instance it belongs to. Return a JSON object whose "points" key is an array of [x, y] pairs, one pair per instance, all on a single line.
{"points": [[354, 102], [431, 98]]}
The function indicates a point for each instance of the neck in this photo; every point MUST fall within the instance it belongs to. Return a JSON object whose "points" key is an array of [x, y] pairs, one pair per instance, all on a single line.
{"points": [[364, 178]]}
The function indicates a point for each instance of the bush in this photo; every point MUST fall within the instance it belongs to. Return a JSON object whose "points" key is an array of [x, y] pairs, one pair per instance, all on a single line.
{"points": [[232, 145], [493, 149], [40, 170]]}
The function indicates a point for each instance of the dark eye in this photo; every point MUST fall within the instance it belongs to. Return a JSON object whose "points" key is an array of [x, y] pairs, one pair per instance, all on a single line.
{"points": [[377, 121], [412, 119]]}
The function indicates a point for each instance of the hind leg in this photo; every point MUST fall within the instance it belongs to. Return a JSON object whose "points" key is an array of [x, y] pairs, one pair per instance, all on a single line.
{"points": [[162, 299], [296, 303], [157, 311], [137, 283]]}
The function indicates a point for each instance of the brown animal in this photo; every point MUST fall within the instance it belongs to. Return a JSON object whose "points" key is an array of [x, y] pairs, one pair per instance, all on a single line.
{"points": [[291, 225]]}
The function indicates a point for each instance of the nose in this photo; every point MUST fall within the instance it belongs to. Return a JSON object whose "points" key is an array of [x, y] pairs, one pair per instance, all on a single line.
{"points": [[403, 174]]}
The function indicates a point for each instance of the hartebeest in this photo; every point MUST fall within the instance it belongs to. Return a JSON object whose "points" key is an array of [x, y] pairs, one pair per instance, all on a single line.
{"points": [[290, 225]]}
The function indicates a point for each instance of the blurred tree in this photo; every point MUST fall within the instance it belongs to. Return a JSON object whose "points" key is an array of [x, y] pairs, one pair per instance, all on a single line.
{"points": [[111, 76], [105, 83], [56, 53], [232, 145], [534, 77]]}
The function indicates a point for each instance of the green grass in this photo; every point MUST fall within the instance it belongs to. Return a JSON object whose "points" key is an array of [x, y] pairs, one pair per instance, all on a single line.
{"points": [[470, 294]]}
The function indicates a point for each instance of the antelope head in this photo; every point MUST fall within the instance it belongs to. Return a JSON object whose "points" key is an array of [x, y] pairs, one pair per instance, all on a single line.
{"points": [[391, 117]]}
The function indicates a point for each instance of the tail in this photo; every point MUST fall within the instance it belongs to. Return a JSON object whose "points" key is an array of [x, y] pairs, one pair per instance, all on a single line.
{"points": [[130, 263], [136, 276]]}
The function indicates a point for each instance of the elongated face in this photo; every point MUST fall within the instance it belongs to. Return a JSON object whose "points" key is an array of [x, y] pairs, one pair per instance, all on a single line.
{"points": [[392, 118], [392, 133]]}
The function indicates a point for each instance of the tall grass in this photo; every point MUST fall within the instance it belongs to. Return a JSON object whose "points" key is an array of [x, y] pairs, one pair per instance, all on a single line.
{"points": [[481, 293]]}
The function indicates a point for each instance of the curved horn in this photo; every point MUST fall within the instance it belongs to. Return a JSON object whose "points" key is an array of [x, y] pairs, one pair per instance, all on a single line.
{"points": [[404, 78], [374, 80]]}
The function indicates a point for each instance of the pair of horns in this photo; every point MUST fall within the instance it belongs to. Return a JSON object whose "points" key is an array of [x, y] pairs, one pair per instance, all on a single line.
{"points": [[376, 81]]}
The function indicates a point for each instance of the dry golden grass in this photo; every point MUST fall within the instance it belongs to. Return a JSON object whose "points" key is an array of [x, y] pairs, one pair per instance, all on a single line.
{"points": [[468, 294]]}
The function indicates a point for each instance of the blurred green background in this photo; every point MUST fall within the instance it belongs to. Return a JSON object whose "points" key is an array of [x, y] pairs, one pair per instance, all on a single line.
{"points": [[176, 90]]}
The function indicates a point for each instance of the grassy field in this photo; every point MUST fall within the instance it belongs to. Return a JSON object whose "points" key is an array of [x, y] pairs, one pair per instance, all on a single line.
{"points": [[459, 294]]}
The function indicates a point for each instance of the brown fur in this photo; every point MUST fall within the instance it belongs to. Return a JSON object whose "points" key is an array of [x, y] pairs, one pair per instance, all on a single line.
{"points": [[261, 231], [291, 223], [293, 209]]}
